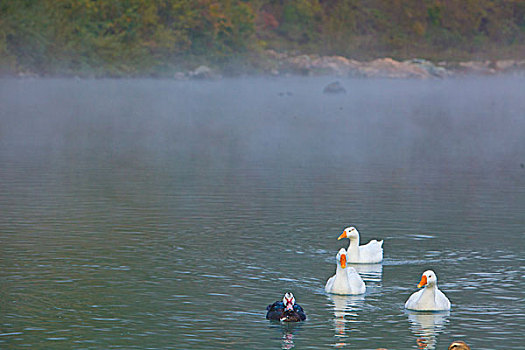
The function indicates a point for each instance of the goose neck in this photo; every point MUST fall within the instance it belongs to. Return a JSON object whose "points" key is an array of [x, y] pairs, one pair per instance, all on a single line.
{"points": [[430, 290], [353, 247], [340, 271]]}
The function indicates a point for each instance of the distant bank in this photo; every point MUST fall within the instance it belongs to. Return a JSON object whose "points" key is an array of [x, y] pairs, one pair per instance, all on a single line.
{"points": [[284, 64], [192, 39], [272, 63]]}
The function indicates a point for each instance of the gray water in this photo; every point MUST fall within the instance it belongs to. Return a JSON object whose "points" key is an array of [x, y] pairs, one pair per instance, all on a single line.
{"points": [[142, 214]]}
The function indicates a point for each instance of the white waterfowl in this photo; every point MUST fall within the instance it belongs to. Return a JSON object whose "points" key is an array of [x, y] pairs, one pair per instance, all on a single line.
{"points": [[429, 298], [346, 280], [370, 253]]}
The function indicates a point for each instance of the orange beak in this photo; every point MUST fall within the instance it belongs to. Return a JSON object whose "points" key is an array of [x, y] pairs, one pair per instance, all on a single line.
{"points": [[343, 261], [343, 235], [423, 281]]}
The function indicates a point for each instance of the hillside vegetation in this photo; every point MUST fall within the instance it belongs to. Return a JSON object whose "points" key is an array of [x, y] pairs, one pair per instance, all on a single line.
{"points": [[158, 37]]}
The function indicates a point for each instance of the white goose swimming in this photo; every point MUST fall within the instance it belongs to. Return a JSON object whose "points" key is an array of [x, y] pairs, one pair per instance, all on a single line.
{"points": [[429, 298], [370, 253], [346, 279]]}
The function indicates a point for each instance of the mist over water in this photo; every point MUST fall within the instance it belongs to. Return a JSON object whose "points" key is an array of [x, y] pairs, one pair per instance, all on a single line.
{"points": [[157, 213], [246, 121]]}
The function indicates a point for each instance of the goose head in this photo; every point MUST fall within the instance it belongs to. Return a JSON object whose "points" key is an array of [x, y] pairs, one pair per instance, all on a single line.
{"points": [[288, 301], [350, 233], [341, 257], [428, 278]]}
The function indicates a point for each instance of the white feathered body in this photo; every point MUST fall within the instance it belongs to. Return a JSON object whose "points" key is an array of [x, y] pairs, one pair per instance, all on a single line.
{"points": [[429, 298], [345, 282], [370, 253]]}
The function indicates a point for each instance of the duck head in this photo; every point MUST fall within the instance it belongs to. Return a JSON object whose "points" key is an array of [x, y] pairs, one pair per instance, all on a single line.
{"points": [[458, 345], [350, 233], [341, 257], [288, 301], [428, 278]]}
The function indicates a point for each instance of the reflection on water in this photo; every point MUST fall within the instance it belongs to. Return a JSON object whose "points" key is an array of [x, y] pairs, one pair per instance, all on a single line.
{"points": [[426, 326], [288, 340], [288, 333], [345, 311], [369, 272]]}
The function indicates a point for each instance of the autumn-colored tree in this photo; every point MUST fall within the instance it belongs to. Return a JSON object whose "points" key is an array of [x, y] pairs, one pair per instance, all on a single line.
{"points": [[154, 36]]}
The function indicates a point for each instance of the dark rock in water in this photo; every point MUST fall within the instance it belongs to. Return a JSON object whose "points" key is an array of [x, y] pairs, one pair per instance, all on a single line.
{"points": [[334, 88], [522, 165]]}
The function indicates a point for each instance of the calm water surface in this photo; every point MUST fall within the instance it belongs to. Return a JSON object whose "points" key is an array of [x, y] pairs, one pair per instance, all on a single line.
{"points": [[157, 214]]}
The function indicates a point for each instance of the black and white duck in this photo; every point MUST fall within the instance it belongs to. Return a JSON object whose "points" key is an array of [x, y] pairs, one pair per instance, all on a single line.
{"points": [[286, 310]]}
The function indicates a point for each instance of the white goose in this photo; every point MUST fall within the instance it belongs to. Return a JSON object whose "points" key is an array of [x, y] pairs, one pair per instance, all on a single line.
{"points": [[429, 298], [370, 253], [346, 279]]}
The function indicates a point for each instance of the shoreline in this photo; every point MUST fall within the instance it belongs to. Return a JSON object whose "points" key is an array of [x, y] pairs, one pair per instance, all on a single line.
{"points": [[274, 64]]}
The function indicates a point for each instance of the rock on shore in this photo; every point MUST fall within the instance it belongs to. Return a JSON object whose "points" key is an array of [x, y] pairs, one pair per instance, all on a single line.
{"points": [[283, 63]]}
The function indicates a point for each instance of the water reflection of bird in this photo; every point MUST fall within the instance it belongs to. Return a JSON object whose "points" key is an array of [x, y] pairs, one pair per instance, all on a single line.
{"points": [[369, 253], [429, 298], [286, 310], [288, 342], [458, 345], [345, 308], [288, 330], [426, 326], [346, 279]]}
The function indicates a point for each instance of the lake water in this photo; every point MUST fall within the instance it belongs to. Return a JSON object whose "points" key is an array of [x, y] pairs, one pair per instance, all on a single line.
{"points": [[144, 214]]}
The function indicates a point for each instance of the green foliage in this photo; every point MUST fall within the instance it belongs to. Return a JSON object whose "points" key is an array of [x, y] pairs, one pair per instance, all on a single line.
{"points": [[339, 20], [130, 37], [226, 27], [434, 15], [299, 21]]}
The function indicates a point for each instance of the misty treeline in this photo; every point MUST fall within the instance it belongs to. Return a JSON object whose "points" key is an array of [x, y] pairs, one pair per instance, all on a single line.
{"points": [[124, 37]]}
